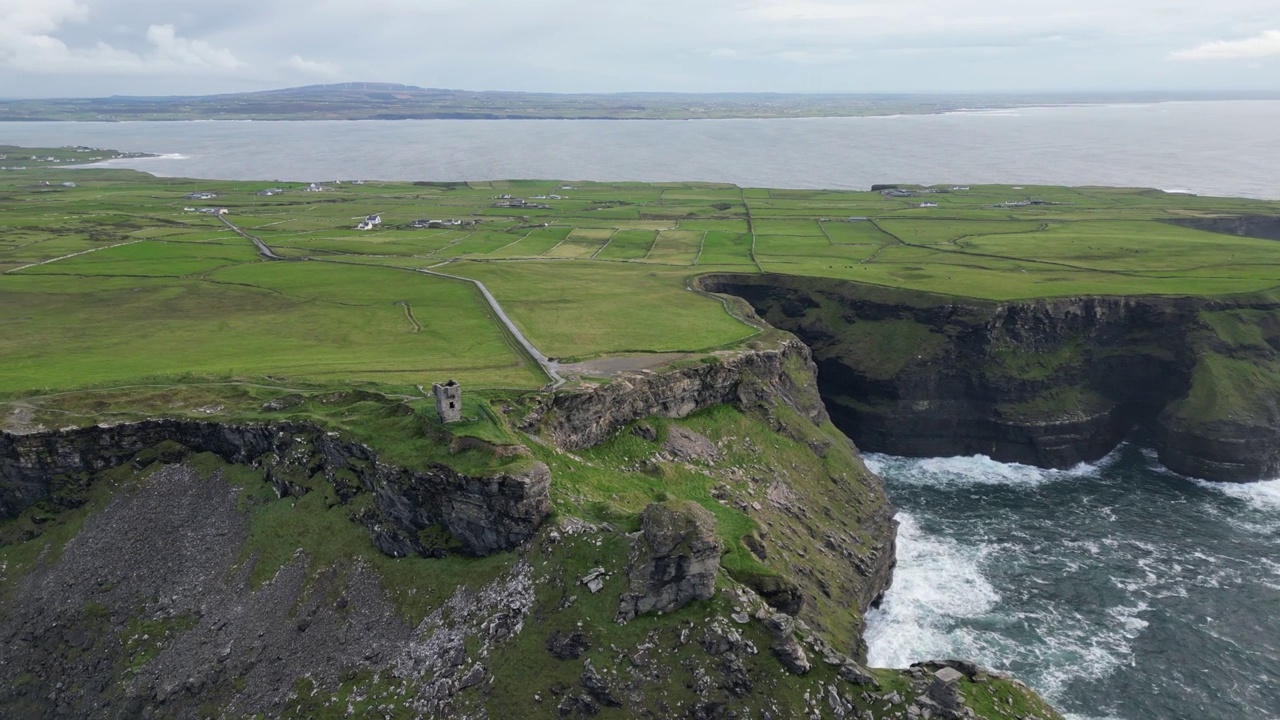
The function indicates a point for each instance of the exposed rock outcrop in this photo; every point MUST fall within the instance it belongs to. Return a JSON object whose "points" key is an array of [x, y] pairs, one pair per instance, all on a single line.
{"points": [[586, 417], [1050, 382], [675, 559], [482, 514], [785, 646]]}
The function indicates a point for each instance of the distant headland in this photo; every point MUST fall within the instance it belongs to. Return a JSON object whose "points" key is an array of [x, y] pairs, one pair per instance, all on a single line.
{"points": [[393, 101]]}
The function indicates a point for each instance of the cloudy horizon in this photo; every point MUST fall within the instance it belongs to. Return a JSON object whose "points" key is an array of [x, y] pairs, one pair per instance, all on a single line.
{"points": [[94, 48]]}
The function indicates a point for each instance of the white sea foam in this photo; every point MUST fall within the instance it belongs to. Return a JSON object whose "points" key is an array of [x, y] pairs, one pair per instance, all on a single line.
{"points": [[943, 604], [1263, 495], [935, 582], [165, 156], [975, 470]]}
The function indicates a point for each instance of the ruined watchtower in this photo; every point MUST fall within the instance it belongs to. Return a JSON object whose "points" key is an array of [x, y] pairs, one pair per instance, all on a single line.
{"points": [[448, 401]]}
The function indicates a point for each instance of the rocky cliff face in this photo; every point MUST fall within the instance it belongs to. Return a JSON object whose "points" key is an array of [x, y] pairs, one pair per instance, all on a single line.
{"points": [[483, 514], [833, 498], [1048, 382], [583, 418]]}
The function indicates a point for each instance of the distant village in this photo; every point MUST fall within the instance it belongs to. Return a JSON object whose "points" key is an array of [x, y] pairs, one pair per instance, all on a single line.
{"points": [[104, 155], [895, 191], [369, 222]]}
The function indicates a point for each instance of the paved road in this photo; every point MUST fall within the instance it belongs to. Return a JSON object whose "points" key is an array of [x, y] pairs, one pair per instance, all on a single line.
{"points": [[548, 365], [263, 250]]}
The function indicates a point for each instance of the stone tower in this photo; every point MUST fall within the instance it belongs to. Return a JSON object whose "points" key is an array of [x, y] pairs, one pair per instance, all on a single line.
{"points": [[448, 401]]}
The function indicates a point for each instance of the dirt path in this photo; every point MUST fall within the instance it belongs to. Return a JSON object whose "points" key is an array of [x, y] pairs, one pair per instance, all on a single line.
{"points": [[408, 313], [75, 254]]}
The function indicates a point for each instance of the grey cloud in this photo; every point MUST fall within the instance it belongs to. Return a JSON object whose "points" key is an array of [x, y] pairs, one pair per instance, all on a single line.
{"points": [[125, 46]]}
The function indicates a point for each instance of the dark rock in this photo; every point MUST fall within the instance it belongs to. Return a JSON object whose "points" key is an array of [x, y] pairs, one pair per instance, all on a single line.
{"points": [[645, 431], [483, 514], [708, 711], [944, 690], [598, 688], [781, 593], [737, 682], [785, 646], [756, 546], [583, 706], [473, 677], [675, 559], [852, 672], [568, 646]]}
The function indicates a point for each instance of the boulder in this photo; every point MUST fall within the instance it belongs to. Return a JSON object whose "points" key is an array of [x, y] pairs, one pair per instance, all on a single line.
{"points": [[785, 646], [674, 559]]}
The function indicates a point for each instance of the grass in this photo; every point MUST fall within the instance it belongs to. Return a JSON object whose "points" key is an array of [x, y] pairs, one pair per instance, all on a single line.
{"points": [[575, 309], [132, 285]]}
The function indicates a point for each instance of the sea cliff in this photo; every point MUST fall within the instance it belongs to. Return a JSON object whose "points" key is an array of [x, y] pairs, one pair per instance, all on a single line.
{"points": [[1049, 382]]}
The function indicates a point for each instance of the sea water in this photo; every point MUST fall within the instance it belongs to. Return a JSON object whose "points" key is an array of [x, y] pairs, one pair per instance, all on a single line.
{"points": [[1117, 589], [1209, 148]]}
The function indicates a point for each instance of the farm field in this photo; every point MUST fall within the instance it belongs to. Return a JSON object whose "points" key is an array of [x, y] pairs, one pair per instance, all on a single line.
{"points": [[110, 277]]}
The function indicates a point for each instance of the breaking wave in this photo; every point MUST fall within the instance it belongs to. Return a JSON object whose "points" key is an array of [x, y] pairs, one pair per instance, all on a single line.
{"points": [[1085, 582]]}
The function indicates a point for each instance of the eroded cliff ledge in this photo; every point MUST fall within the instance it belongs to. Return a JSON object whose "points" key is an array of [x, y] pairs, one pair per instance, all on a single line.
{"points": [[829, 497], [1047, 382], [482, 514]]}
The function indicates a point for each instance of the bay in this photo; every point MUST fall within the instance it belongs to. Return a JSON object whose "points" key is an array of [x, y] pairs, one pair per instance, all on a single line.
{"points": [[1211, 148]]}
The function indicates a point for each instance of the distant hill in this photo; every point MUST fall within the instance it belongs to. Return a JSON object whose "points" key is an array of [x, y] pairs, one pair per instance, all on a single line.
{"points": [[395, 101]]}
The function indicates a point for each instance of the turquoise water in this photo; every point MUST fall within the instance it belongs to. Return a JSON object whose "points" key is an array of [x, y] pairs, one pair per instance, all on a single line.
{"points": [[1118, 590]]}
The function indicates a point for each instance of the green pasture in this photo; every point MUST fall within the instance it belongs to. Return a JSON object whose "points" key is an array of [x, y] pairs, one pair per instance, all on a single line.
{"points": [[118, 279], [587, 308]]}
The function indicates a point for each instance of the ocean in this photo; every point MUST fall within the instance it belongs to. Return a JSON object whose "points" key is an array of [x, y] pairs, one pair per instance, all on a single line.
{"points": [[1208, 148], [1118, 589]]}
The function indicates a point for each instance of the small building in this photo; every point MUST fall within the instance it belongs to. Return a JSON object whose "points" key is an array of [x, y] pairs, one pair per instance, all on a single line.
{"points": [[928, 204], [448, 401], [370, 222]]}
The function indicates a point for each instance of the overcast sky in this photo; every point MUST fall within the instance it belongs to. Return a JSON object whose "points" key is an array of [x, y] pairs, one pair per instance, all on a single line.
{"points": [[76, 48]]}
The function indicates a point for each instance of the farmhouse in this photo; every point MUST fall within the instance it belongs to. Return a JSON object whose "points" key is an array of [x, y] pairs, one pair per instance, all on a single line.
{"points": [[429, 223], [370, 222], [520, 203]]}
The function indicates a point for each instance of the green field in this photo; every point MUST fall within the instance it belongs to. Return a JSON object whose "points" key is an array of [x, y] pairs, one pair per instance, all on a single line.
{"points": [[116, 279]]}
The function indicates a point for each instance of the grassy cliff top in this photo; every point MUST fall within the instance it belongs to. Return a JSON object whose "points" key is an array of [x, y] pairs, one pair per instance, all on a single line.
{"points": [[110, 277]]}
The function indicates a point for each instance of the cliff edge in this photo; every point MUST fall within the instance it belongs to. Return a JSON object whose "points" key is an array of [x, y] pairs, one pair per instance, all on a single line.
{"points": [[1051, 382]]}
